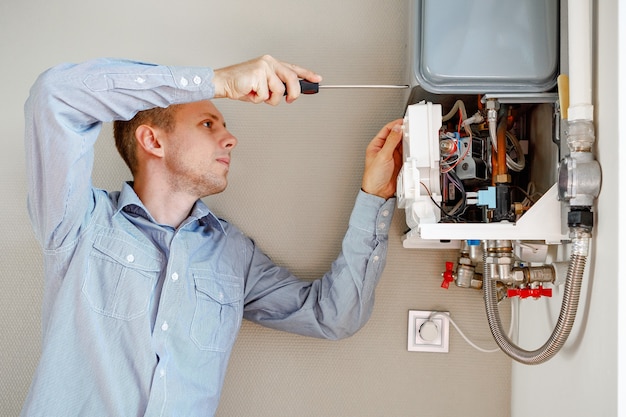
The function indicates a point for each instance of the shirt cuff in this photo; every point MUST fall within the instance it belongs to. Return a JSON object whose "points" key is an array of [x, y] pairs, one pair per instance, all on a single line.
{"points": [[193, 82], [372, 214]]}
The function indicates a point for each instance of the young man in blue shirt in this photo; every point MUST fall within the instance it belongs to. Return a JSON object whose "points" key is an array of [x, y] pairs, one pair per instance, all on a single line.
{"points": [[145, 288]]}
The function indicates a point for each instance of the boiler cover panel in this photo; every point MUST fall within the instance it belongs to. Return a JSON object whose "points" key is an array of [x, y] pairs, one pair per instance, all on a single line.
{"points": [[486, 46]]}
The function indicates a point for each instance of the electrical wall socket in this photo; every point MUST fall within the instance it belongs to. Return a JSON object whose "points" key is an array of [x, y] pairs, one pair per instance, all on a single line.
{"points": [[428, 332]]}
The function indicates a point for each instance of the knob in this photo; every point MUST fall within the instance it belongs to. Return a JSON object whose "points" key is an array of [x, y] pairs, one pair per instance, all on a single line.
{"points": [[448, 275], [429, 331]]}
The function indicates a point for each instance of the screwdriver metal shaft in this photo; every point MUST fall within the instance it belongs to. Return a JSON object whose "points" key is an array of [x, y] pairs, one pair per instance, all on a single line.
{"points": [[308, 87]]}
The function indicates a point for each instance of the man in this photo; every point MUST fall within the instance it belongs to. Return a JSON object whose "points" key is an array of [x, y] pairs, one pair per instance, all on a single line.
{"points": [[145, 288]]}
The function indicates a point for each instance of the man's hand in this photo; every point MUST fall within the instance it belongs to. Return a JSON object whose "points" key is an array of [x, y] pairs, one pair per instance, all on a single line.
{"points": [[261, 80], [383, 160]]}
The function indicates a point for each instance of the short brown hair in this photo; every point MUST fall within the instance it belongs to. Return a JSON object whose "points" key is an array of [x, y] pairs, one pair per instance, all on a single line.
{"points": [[124, 131]]}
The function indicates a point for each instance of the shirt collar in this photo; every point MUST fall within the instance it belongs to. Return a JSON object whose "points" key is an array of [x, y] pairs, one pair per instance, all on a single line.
{"points": [[129, 202]]}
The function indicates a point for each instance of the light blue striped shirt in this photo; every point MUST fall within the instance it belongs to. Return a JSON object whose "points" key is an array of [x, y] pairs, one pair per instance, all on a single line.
{"points": [[139, 319]]}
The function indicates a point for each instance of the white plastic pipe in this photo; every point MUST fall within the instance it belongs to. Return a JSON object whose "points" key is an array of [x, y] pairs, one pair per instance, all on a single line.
{"points": [[579, 17]]}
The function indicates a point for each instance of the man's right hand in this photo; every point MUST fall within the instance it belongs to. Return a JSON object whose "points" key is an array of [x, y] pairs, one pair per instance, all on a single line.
{"points": [[383, 161], [262, 80]]}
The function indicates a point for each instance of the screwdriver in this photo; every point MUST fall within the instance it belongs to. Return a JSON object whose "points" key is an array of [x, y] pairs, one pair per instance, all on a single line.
{"points": [[308, 87]]}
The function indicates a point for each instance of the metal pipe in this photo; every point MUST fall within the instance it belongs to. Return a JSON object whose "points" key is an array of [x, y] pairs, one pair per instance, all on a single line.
{"points": [[567, 315]]}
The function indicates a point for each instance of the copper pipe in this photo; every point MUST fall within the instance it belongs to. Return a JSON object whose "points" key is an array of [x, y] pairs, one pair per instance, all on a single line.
{"points": [[501, 135]]}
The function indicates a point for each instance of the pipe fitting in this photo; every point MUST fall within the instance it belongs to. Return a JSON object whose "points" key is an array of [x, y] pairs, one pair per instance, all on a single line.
{"points": [[466, 277], [580, 135], [580, 218], [534, 275], [579, 173], [579, 179]]}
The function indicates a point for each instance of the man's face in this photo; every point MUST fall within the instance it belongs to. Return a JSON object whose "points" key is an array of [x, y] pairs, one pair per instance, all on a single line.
{"points": [[197, 153]]}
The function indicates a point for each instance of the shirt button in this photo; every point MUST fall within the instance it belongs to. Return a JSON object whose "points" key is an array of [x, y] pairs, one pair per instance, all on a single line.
{"points": [[376, 258], [381, 226], [197, 80], [162, 373], [130, 258], [385, 213], [184, 82], [165, 326], [174, 276], [140, 80]]}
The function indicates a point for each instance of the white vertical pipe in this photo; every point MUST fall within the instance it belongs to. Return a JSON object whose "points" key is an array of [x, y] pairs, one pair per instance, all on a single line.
{"points": [[579, 16]]}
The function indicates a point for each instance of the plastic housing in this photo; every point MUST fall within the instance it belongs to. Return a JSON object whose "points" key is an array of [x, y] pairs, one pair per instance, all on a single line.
{"points": [[486, 46]]}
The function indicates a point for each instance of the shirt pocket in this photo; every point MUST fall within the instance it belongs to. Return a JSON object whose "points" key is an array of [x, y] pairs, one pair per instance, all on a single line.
{"points": [[218, 313], [121, 277]]}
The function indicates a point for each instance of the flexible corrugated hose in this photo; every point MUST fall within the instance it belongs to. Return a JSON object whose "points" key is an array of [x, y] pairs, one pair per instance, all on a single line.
{"points": [[567, 315]]}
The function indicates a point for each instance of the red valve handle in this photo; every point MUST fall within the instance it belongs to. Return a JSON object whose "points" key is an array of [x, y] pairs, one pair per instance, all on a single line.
{"points": [[529, 292], [448, 275]]}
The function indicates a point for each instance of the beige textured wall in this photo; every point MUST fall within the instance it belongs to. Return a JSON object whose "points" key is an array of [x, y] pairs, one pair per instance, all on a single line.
{"points": [[293, 181]]}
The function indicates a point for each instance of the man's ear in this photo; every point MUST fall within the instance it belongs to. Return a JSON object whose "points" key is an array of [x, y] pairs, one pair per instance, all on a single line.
{"points": [[148, 140]]}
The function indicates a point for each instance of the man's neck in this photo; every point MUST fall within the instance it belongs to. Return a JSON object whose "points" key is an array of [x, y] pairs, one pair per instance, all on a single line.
{"points": [[166, 206]]}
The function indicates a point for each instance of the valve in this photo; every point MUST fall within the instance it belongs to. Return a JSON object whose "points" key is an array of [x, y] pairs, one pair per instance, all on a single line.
{"points": [[448, 275], [529, 292]]}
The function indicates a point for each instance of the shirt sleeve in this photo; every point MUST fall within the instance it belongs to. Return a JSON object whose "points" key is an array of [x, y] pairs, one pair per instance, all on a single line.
{"points": [[338, 304], [64, 113]]}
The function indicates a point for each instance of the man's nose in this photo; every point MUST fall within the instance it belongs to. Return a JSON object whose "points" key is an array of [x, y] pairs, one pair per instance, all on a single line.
{"points": [[229, 141]]}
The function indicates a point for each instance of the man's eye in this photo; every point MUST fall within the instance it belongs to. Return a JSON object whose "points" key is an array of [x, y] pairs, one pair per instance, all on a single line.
{"points": [[208, 124]]}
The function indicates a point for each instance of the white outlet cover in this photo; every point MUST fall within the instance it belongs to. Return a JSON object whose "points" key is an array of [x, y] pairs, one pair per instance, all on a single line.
{"points": [[429, 343]]}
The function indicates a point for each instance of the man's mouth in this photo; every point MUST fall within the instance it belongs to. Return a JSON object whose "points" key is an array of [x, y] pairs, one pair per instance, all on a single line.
{"points": [[224, 160]]}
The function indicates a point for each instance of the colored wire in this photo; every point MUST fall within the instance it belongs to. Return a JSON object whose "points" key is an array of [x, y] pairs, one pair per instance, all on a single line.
{"points": [[459, 209], [445, 214], [431, 196]]}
